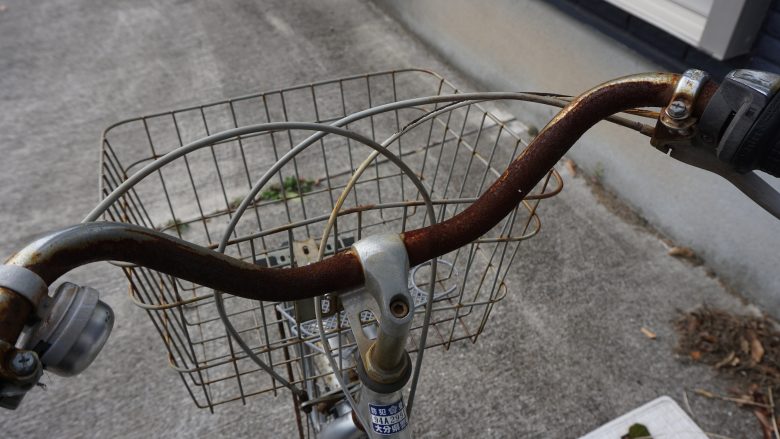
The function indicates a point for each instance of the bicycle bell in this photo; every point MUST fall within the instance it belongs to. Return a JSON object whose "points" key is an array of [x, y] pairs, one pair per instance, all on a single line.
{"points": [[74, 326]]}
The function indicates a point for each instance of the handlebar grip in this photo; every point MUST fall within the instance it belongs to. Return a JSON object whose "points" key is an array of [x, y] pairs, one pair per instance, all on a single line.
{"points": [[763, 141], [742, 122]]}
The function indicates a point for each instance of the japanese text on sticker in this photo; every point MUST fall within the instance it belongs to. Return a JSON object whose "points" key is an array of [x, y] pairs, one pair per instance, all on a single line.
{"points": [[388, 419]]}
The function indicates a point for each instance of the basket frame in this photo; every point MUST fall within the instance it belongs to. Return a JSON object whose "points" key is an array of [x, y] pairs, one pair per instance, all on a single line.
{"points": [[174, 305]]}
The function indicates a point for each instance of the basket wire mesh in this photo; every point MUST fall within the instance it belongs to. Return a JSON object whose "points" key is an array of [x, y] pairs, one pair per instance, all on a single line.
{"points": [[457, 154]]}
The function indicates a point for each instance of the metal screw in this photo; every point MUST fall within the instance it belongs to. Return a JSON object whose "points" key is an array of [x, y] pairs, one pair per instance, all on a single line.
{"points": [[24, 363], [677, 110]]}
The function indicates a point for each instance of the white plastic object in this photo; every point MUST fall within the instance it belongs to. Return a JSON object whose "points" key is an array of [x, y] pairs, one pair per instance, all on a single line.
{"points": [[663, 417]]}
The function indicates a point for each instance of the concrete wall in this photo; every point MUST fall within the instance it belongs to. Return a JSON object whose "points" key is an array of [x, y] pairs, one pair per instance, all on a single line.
{"points": [[529, 45]]}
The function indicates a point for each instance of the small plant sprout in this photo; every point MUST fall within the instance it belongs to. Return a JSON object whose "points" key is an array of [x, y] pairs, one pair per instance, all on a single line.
{"points": [[174, 223], [292, 188]]}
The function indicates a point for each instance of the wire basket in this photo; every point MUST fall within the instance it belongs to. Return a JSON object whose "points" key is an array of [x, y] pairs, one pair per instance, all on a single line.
{"points": [[457, 154]]}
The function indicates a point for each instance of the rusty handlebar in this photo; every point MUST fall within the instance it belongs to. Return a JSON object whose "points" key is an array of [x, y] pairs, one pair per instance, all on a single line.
{"points": [[52, 256]]}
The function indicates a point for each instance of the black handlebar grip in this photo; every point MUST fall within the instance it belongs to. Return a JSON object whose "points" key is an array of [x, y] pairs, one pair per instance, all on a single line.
{"points": [[743, 119], [760, 148], [764, 139]]}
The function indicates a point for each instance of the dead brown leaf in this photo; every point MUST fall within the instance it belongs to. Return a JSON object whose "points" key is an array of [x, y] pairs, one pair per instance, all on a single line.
{"points": [[727, 360], [706, 336], [744, 345], [756, 348], [648, 333], [682, 252], [696, 355], [571, 167]]}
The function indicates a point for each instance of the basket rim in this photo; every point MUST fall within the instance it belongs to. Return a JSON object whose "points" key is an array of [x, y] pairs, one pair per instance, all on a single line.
{"points": [[105, 132], [273, 91]]}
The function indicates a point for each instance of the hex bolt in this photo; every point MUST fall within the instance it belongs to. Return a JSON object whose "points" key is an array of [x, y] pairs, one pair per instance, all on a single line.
{"points": [[677, 110], [23, 363], [399, 308]]}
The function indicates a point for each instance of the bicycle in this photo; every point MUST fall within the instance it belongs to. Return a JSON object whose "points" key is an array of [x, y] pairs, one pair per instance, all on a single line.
{"points": [[317, 325]]}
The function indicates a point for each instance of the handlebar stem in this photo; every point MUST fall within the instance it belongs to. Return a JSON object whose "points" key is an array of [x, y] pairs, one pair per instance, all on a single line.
{"points": [[386, 270]]}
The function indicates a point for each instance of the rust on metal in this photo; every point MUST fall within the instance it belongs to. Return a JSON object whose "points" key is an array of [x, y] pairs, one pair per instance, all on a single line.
{"points": [[678, 113], [14, 312], [665, 136], [523, 174], [56, 254]]}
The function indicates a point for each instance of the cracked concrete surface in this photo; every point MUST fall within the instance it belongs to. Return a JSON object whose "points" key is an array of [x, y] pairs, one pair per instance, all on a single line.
{"points": [[563, 352]]}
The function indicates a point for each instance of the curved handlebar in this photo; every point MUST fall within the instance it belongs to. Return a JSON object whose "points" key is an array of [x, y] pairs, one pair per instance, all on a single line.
{"points": [[549, 146], [52, 256]]}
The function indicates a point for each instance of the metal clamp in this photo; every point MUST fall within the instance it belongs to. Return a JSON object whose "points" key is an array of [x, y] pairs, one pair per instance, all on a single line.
{"points": [[678, 115], [25, 283]]}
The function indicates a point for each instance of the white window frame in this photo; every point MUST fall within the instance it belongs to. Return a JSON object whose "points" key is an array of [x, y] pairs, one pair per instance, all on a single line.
{"points": [[727, 30]]}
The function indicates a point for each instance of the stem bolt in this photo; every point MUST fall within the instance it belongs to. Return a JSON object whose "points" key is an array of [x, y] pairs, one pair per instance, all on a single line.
{"points": [[399, 308]]}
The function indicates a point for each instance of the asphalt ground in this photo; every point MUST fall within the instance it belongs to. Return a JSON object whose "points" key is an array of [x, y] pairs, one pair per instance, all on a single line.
{"points": [[563, 353]]}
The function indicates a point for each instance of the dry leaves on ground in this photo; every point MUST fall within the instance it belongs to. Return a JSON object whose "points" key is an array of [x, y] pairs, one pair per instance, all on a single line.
{"points": [[744, 346], [746, 349]]}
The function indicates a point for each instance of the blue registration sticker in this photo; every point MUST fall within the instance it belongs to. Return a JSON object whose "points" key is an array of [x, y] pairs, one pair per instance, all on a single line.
{"points": [[388, 419]]}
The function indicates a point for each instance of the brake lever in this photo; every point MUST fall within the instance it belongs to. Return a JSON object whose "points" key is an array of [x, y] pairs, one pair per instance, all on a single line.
{"points": [[750, 183]]}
